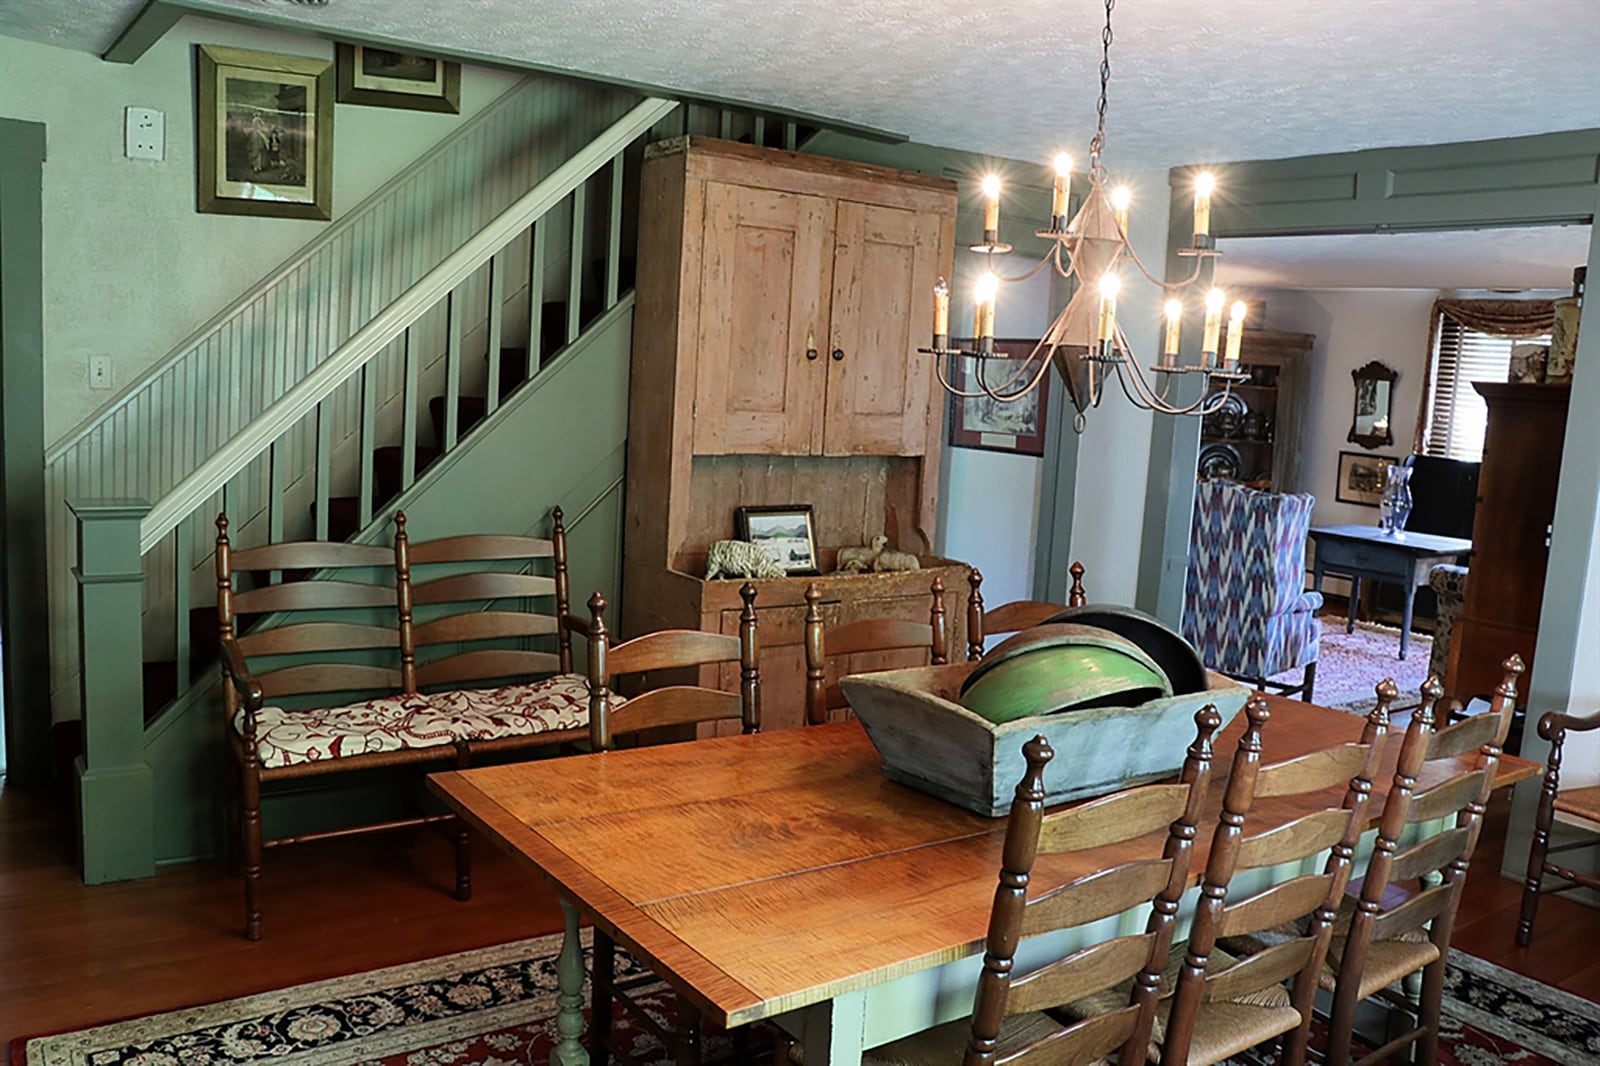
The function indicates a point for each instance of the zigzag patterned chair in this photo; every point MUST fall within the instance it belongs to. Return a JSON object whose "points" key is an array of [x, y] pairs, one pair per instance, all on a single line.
{"points": [[1245, 605]]}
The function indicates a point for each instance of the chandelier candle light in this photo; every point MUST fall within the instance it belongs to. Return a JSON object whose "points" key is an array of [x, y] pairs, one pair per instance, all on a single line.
{"points": [[1085, 342]]}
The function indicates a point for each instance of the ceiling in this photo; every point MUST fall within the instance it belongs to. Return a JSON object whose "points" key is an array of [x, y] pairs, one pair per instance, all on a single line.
{"points": [[1523, 258], [1191, 81]]}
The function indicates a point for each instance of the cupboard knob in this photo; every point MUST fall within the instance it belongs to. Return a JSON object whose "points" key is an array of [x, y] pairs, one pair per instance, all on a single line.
{"points": [[811, 354], [838, 355]]}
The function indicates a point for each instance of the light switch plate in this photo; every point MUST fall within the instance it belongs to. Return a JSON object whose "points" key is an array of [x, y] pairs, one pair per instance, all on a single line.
{"points": [[100, 372], [145, 133]]}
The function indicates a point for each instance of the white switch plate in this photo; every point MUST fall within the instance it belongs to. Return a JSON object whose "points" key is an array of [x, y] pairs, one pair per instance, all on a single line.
{"points": [[145, 133], [100, 372]]}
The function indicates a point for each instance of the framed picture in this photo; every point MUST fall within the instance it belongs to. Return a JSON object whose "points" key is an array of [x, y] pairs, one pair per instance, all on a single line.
{"points": [[782, 532], [984, 422], [1361, 477], [265, 134], [379, 77]]}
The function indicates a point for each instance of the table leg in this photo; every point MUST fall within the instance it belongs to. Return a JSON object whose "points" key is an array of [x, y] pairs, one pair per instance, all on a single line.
{"points": [[569, 995], [1355, 597], [834, 1030], [1405, 626]]}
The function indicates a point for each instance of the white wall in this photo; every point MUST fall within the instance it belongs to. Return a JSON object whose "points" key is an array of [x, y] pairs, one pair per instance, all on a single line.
{"points": [[130, 268]]}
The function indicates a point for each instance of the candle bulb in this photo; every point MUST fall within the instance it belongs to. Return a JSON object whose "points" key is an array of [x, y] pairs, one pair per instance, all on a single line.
{"points": [[1120, 199], [1208, 339], [991, 209], [1169, 353], [1235, 334], [1109, 284], [1058, 201], [1204, 184], [941, 314], [988, 286]]}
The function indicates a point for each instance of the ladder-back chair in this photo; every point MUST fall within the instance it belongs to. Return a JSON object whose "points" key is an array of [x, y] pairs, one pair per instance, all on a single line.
{"points": [[1576, 810], [669, 650], [1014, 616], [862, 636], [1387, 935], [1014, 1015]]}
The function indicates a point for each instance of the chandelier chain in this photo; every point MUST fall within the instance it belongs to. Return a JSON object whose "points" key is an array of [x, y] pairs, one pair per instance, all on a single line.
{"points": [[1097, 145]]}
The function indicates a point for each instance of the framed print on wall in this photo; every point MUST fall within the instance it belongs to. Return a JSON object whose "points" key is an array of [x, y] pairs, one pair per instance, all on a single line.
{"points": [[784, 533], [379, 77], [984, 422], [1361, 477], [265, 134]]}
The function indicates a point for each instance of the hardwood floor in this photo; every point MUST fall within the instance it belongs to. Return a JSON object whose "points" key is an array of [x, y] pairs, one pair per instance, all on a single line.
{"points": [[77, 956]]}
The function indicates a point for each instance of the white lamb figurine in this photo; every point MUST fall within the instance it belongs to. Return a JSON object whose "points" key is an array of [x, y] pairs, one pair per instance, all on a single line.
{"points": [[860, 560], [740, 558]]}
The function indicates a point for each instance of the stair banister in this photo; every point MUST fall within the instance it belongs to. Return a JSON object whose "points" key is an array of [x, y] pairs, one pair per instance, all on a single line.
{"points": [[213, 474]]}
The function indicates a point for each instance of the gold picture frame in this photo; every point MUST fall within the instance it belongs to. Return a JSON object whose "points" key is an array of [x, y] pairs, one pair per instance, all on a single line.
{"points": [[265, 134], [382, 77]]}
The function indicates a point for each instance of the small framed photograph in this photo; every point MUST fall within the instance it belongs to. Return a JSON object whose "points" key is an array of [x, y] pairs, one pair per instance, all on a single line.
{"points": [[265, 134], [784, 533], [379, 77], [1361, 477], [984, 422]]}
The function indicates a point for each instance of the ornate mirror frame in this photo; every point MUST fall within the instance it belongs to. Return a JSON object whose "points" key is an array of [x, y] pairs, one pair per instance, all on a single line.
{"points": [[1374, 402]]}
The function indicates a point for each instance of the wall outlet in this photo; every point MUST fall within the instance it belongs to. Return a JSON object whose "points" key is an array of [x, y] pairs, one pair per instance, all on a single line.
{"points": [[100, 372], [145, 134]]}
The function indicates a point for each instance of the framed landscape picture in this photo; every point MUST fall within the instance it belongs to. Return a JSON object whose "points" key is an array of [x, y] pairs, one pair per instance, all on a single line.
{"points": [[984, 422], [379, 77], [265, 134], [1361, 477], [784, 533]]}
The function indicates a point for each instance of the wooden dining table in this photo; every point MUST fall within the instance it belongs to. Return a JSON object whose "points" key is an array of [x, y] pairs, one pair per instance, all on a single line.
{"points": [[781, 876]]}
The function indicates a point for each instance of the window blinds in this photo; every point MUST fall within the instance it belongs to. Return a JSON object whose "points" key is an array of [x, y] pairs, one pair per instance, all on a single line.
{"points": [[1458, 417]]}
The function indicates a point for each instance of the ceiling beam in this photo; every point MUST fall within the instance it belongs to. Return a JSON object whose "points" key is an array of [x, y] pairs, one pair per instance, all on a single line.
{"points": [[145, 29]]}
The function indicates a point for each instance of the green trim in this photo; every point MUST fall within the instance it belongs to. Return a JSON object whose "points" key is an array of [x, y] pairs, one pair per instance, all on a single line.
{"points": [[143, 31], [116, 847]]}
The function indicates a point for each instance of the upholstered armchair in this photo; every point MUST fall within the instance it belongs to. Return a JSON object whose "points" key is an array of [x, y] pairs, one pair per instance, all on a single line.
{"points": [[1245, 605], [1449, 585]]}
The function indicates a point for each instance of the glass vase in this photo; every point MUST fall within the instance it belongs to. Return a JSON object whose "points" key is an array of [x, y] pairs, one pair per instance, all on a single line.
{"points": [[1394, 506]]}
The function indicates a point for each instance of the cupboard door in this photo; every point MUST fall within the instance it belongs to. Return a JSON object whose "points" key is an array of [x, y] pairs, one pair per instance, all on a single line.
{"points": [[766, 267], [886, 261]]}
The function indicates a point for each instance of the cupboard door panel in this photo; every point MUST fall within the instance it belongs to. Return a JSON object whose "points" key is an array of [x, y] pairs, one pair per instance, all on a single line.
{"points": [[766, 270], [885, 264]]}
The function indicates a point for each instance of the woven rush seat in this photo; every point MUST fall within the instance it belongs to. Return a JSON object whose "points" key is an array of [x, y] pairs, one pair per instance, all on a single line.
{"points": [[1391, 959], [405, 722], [1581, 805]]}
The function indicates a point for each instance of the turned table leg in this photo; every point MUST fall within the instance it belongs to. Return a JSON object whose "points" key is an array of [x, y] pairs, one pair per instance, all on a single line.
{"points": [[569, 995]]}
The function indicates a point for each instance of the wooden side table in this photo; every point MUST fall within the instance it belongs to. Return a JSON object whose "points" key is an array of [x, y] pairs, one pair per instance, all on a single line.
{"points": [[1366, 552]]}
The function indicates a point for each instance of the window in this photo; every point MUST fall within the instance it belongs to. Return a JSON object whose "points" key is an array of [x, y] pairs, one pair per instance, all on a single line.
{"points": [[1457, 415]]}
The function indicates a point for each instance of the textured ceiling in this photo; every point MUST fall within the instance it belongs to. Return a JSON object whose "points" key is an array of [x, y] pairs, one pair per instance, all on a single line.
{"points": [[1524, 258], [1192, 81]]}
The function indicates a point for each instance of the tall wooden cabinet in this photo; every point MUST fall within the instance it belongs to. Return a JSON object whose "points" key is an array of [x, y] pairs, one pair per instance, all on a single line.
{"points": [[1260, 429], [780, 302], [1510, 533]]}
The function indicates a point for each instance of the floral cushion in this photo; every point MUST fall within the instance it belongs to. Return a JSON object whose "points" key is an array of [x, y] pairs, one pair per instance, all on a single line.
{"points": [[396, 723]]}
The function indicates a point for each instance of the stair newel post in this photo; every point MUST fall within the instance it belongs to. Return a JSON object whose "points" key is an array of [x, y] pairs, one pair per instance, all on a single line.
{"points": [[402, 591], [599, 679], [116, 800], [749, 668], [558, 541], [940, 653], [975, 616]]}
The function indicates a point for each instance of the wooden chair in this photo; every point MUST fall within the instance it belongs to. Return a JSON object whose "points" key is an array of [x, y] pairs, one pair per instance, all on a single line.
{"points": [[1393, 931], [653, 708], [862, 636], [1014, 616], [1577, 809], [1009, 1019], [1222, 1005], [322, 623]]}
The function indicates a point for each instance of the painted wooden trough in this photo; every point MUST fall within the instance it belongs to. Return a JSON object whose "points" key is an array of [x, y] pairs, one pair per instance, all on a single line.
{"points": [[931, 743]]}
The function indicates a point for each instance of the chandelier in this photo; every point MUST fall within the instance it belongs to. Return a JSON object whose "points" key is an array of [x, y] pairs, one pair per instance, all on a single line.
{"points": [[1085, 342]]}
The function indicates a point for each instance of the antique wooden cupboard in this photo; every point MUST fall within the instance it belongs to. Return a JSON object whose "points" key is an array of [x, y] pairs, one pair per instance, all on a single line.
{"points": [[1266, 435], [781, 299]]}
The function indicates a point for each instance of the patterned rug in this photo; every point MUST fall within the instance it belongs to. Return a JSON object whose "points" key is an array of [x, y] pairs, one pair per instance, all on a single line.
{"points": [[496, 1007], [1350, 666]]}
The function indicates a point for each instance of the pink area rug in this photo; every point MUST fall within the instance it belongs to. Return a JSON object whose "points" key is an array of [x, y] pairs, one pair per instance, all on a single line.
{"points": [[1351, 665]]}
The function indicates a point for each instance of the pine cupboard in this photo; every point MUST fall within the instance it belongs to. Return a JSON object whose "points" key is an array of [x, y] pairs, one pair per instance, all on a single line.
{"points": [[780, 302]]}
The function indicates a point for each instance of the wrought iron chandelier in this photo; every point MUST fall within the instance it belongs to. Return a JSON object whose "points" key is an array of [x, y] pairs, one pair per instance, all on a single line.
{"points": [[1085, 342]]}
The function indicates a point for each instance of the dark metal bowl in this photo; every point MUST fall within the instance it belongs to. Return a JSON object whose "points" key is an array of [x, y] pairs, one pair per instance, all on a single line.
{"points": [[1176, 656]]}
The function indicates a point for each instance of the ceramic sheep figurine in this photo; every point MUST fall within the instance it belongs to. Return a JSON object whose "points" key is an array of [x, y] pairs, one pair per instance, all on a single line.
{"points": [[887, 562], [860, 560], [740, 558]]}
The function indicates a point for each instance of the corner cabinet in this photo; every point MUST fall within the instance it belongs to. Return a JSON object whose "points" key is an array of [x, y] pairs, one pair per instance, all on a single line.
{"points": [[1258, 435], [781, 298]]}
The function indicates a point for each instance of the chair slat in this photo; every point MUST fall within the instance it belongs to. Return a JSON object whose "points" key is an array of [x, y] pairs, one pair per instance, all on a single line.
{"points": [[328, 677], [878, 634], [1264, 969], [1430, 855], [1312, 772], [669, 649], [1083, 1044], [482, 585], [311, 555], [1306, 835], [312, 596], [1105, 965], [1465, 736], [1283, 902], [483, 625], [1446, 798], [1118, 817], [1097, 896], [479, 547], [674, 705], [317, 637], [486, 664], [1414, 913]]}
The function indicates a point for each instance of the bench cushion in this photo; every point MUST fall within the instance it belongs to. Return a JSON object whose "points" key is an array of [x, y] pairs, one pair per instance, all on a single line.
{"points": [[398, 723]]}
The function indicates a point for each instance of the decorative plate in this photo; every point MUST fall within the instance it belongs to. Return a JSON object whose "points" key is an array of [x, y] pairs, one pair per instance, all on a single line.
{"points": [[1219, 460]]}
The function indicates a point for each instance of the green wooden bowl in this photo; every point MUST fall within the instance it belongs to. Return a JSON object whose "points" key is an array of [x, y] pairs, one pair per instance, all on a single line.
{"points": [[1051, 669]]}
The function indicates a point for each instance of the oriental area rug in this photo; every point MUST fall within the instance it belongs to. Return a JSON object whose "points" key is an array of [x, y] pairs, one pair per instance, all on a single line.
{"points": [[496, 1007], [1351, 665]]}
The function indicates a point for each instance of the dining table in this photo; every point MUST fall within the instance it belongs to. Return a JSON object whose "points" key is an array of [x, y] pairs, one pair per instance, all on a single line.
{"points": [[781, 876]]}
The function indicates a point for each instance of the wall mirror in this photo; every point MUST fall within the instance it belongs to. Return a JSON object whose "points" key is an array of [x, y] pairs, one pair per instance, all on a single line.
{"points": [[1370, 426]]}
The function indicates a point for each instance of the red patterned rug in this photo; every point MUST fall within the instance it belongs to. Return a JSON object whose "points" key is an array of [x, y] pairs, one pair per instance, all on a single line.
{"points": [[496, 1007], [1351, 665]]}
